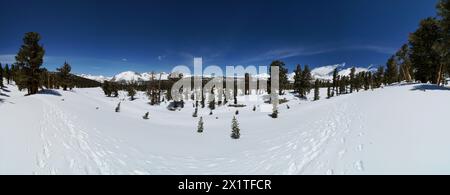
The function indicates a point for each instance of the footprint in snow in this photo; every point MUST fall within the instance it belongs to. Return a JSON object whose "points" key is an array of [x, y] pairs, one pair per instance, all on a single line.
{"points": [[330, 172], [360, 147], [359, 165]]}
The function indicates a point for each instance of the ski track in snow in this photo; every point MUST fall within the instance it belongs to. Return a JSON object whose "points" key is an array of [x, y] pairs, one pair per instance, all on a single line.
{"points": [[77, 151], [69, 145], [330, 136]]}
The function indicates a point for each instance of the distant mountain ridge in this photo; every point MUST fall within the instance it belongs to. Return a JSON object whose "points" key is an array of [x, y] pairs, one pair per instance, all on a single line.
{"points": [[321, 73]]}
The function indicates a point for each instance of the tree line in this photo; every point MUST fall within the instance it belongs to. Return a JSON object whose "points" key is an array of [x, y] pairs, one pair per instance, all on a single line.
{"points": [[28, 74]]}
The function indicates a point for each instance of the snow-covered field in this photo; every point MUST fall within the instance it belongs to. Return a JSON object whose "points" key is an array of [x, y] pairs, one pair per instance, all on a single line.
{"points": [[400, 129]]}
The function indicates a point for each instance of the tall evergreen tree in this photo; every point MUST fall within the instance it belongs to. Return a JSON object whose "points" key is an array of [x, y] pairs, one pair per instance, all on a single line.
{"points": [[7, 74], [107, 88], [370, 79], [352, 79], [64, 75], [316, 90], [443, 8], [404, 61], [391, 71], [335, 80], [328, 90], [298, 79], [379, 77], [1, 76], [343, 85], [153, 91], [424, 57], [305, 82], [131, 92], [30, 58]]}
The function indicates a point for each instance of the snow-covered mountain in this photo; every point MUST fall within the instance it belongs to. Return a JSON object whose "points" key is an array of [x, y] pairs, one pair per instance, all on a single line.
{"points": [[322, 73], [326, 72], [131, 76], [100, 78]]}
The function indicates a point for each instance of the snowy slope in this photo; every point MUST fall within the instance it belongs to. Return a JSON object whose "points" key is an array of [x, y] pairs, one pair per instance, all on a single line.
{"points": [[395, 130], [131, 76], [128, 76], [326, 72]]}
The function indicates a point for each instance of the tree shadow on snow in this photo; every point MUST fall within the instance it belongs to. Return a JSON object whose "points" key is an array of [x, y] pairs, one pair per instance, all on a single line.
{"points": [[5, 89], [426, 87], [5, 95], [49, 92]]}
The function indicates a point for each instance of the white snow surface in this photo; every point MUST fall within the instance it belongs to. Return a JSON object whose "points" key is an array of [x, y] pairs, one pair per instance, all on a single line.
{"points": [[400, 129]]}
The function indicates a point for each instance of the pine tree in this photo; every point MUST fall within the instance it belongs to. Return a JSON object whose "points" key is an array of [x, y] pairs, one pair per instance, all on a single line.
{"points": [[306, 81], [154, 91], [335, 81], [1, 76], [114, 89], [212, 104], [106, 88], [403, 57], [298, 79], [371, 80], [328, 90], [195, 113], [391, 71], [64, 76], [379, 77], [443, 48], [30, 58], [352, 79], [235, 131], [316, 90], [343, 85], [200, 125], [425, 58], [131, 92], [7, 74]]}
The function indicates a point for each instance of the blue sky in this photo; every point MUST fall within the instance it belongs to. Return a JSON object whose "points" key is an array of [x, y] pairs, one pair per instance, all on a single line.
{"points": [[104, 37]]}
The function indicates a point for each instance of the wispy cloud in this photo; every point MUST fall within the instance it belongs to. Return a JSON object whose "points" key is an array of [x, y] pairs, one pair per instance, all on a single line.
{"points": [[161, 57], [287, 53], [124, 60], [375, 48]]}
